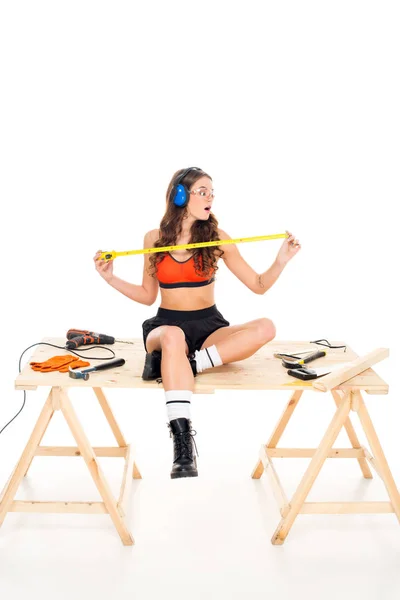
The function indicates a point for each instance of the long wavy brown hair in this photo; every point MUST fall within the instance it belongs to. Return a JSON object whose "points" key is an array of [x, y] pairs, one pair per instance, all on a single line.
{"points": [[201, 231]]}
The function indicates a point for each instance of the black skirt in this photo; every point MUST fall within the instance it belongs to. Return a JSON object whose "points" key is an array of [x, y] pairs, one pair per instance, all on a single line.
{"points": [[197, 325]]}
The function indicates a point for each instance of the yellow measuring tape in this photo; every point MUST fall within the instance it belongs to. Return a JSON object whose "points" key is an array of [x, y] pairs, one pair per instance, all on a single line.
{"points": [[112, 254]]}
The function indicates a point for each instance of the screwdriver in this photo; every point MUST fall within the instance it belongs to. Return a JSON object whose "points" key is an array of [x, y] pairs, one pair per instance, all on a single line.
{"points": [[82, 337]]}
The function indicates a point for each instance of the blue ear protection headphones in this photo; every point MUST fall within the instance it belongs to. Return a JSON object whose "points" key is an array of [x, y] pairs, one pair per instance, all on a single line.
{"points": [[179, 192]]}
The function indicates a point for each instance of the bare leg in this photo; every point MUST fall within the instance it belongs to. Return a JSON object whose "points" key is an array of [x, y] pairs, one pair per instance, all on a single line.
{"points": [[233, 343], [240, 344], [176, 371]]}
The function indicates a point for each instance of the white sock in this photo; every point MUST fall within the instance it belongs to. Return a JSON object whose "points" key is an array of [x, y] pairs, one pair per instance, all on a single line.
{"points": [[207, 358], [178, 404]]}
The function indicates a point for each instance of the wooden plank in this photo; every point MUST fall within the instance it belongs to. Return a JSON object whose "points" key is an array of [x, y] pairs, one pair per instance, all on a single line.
{"points": [[352, 435], [109, 451], [95, 469], [126, 484], [44, 431], [58, 507], [135, 472], [5, 488], [355, 405], [55, 396], [341, 508], [312, 471], [276, 485], [371, 461], [356, 367], [284, 420], [108, 413], [261, 371], [24, 386], [309, 452], [379, 456], [258, 469], [279, 429], [9, 492]]}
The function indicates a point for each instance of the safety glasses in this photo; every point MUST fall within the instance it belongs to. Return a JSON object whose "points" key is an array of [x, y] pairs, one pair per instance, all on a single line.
{"points": [[204, 193]]}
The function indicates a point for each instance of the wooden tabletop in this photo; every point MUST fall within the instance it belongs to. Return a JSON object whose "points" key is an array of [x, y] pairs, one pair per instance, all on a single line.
{"points": [[262, 371]]}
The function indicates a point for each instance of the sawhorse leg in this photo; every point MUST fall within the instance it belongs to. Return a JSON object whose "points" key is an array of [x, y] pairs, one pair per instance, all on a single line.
{"points": [[312, 471], [284, 420], [58, 400], [289, 510], [377, 456], [11, 487], [109, 415], [278, 431], [114, 426]]}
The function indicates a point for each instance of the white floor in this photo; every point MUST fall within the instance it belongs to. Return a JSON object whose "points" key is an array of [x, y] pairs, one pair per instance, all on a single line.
{"points": [[207, 536]]}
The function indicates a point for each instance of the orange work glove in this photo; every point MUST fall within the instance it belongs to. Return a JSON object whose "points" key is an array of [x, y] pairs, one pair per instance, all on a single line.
{"points": [[53, 363], [74, 365]]}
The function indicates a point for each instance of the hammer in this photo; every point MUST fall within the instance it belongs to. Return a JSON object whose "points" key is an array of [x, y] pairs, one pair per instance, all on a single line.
{"points": [[292, 363], [116, 362]]}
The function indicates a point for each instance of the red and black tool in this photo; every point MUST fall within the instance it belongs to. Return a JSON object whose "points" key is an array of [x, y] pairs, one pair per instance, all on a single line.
{"points": [[83, 337]]}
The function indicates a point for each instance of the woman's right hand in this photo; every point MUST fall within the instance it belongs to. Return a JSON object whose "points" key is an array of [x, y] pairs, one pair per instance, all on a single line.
{"points": [[104, 267]]}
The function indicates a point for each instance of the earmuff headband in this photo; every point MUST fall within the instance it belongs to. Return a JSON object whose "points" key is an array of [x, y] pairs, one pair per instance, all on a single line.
{"points": [[180, 193]]}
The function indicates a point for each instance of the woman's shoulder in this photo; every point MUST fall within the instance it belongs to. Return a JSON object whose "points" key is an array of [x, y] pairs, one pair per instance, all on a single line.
{"points": [[224, 236], [150, 238], [153, 234]]}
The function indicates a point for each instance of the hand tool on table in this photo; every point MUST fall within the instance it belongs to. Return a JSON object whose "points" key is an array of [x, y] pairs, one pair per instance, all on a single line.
{"points": [[111, 255], [293, 355], [294, 363], [301, 351], [307, 373], [82, 337], [117, 362]]}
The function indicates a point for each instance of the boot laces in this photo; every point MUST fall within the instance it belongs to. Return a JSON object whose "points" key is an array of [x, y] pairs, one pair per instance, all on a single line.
{"points": [[184, 443]]}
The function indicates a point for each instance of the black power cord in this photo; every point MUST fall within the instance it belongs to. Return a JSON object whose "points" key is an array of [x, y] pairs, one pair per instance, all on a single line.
{"points": [[328, 344], [62, 348]]}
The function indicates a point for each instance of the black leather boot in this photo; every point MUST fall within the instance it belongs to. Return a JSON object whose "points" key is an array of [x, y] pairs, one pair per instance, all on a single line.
{"points": [[152, 365], [193, 363], [185, 464]]}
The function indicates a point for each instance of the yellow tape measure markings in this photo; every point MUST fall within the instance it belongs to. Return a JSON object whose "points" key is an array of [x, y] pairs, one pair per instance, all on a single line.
{"points": [[112, 254]]}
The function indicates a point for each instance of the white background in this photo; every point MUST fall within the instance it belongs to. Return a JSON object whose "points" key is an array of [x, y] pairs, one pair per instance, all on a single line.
{"points": [[293, 109]]}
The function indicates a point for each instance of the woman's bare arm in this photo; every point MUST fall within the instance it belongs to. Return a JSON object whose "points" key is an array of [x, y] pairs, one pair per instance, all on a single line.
{"points": [[137, 293]]}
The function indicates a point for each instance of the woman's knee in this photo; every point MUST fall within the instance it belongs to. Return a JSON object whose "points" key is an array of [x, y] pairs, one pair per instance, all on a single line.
{"points": [[173, 337], [266, 329]]}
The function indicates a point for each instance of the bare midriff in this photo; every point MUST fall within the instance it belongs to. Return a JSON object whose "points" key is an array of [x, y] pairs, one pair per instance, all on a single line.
{"points": [[190, 298]]}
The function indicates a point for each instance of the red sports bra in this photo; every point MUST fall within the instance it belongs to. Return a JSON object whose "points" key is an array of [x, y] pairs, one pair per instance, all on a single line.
{"points": [[172, 273]]}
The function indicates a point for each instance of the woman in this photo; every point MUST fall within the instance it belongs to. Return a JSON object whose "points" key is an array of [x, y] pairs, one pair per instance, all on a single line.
{"points": [[188, 331]]}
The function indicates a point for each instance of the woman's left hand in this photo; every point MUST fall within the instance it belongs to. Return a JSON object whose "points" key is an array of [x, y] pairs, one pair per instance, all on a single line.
{"points": [[289, 248]]}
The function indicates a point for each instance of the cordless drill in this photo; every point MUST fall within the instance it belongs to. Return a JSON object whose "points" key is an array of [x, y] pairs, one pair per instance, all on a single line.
{"points": [[81, 337]]}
